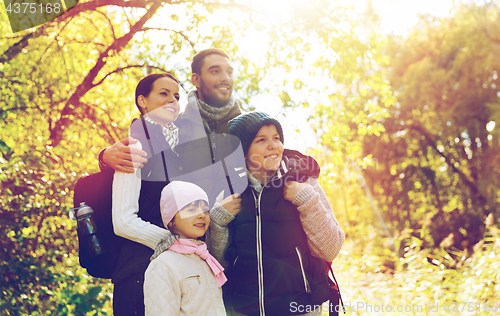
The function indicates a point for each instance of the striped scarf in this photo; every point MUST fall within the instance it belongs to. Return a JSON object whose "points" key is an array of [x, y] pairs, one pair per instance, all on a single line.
{"points": [[171, 132], [210, 115]]}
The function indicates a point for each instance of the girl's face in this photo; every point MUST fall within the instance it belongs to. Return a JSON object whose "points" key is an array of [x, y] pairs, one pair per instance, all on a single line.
{"points": [[265, 153], [161, 105], [191, 221]]}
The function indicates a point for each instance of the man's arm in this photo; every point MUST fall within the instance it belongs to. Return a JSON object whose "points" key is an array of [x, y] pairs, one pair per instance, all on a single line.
{"points": [[122, 157]]}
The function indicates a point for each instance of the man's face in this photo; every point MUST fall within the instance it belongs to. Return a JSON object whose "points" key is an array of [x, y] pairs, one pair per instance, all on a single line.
{"points": [[215, 83]]}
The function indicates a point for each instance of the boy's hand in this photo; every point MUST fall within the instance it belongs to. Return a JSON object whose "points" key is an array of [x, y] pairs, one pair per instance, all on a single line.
{"points": [[232, 204], [292, 188], [122, 158]]}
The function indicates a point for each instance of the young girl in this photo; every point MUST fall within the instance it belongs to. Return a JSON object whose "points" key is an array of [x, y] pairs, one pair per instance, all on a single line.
{"points": [[183, 278], [136, 210], [284, 233]]}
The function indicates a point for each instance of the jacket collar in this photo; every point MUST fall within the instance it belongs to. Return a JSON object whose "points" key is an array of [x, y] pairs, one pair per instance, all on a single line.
{"points": [[192, 112], [293, 163]]}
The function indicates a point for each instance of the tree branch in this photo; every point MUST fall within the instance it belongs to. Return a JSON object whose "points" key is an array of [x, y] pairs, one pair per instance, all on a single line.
{"points": [[178, 32], [92, 5], [431, 142], [87, 83], [229, 4], [105, 127], [117, 70], [17, 48], [485, 24], [110, 23], [54, 41]]}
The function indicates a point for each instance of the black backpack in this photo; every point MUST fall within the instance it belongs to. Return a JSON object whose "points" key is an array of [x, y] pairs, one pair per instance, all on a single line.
{"points": [[96, 191]]}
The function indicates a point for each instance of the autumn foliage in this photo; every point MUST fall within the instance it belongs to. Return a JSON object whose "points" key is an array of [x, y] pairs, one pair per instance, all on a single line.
{"points": [[406, 134]]}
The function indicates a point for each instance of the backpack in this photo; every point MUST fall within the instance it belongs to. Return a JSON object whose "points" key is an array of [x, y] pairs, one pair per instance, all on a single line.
{"points": [[96, 191], [336, 304]]}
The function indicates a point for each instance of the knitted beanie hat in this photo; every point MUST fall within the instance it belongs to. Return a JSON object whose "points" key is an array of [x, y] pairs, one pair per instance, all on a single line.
{"points": [[246, 126], [176, 195]]}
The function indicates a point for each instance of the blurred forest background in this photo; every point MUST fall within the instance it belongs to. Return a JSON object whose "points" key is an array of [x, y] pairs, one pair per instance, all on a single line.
{"points": [[405, 125]]}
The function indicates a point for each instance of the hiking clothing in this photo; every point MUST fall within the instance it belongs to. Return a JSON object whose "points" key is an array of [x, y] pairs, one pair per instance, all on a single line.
{"points": [[277, 247], [181, 284], [136, 213]]}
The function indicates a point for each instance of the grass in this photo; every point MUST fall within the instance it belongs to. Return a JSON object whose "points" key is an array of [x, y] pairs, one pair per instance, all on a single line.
{"points": [[375, 281]]}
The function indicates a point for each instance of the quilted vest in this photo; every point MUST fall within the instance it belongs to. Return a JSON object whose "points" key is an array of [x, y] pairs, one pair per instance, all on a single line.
{"points": [[272, 264]]}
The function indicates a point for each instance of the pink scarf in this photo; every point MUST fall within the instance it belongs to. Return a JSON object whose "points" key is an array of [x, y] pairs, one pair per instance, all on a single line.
{"points": [[186, 246]]}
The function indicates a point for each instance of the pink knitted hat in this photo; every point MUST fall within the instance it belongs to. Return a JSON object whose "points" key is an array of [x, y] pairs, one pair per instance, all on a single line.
{"points": [[176, 195]]}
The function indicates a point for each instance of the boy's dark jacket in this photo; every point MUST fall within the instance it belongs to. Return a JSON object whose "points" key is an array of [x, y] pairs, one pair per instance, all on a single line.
{"points": [[282, 247]]}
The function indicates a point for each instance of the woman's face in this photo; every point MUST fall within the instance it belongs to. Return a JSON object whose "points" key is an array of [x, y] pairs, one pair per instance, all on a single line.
{"points": [[265, 152], [161, 105]]}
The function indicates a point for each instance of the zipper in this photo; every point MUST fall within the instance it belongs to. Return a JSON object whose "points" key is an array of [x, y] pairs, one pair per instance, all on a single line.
{"points": [[194, 276], [306, 284], [260, 269], [211, 146], [212, 140]]}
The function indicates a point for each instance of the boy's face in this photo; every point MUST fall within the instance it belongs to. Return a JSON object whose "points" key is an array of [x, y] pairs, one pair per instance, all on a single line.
{"points": [[266, 151], [191, 221]]}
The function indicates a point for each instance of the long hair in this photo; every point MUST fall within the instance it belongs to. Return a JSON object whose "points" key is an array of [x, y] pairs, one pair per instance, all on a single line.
{"points": [[145, 86]]}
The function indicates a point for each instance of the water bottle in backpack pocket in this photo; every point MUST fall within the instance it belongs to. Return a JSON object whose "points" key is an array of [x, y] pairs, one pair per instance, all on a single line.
{"points": [[87, 231], [99, 247]]}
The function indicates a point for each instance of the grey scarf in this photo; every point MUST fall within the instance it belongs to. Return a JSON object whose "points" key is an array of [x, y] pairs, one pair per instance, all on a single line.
{"points": [[209, 114], [171, 132], [165, 242]]}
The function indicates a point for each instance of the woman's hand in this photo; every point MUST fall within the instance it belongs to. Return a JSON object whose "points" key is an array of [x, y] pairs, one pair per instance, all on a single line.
{"points": [[292, 188]]}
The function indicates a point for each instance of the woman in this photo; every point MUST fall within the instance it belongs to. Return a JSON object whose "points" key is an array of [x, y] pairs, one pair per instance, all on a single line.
{"points": [[136, 209], [285, 231]]}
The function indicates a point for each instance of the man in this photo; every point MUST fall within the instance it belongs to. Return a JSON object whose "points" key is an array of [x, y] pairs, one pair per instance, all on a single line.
{"points": [[212, 75]]}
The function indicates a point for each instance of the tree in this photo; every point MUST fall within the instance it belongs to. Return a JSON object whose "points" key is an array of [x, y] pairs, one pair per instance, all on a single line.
{"points": [[438, 157], [67, 91], [354, 97]]}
